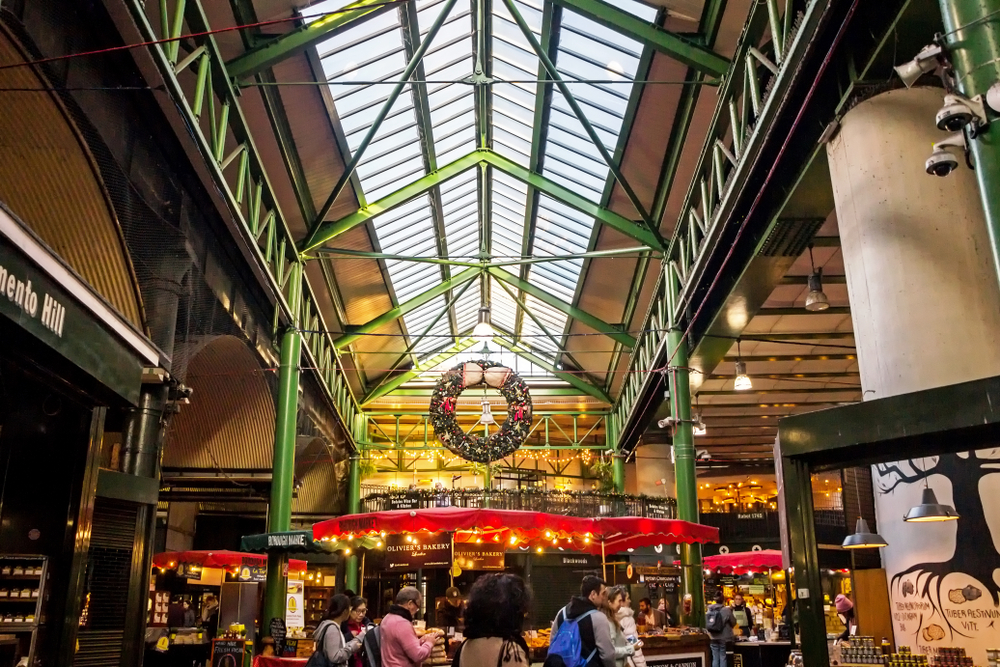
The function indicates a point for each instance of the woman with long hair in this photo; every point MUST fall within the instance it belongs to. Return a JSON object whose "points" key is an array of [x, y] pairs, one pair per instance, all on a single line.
{"points": [[627, 623], [329, 638], [624, 650], [494, 618], [355, 625]]}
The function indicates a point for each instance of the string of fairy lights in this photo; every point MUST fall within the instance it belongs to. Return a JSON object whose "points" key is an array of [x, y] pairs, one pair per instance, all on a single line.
{"points": [[585, 456]]}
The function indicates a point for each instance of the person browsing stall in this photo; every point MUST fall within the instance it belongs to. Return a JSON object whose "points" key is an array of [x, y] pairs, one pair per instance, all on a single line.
{"points": [[400, 645], [330, 640], [720, 621], [581, 624]]}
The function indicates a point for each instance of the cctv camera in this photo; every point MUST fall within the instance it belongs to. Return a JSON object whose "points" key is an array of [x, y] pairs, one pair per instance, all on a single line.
{"points": [[703, 455], [958, 111], [942, 162], [666, 423]]}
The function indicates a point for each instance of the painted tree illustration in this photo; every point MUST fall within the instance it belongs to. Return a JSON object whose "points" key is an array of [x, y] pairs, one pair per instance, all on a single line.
{"points": [[974, 554]]}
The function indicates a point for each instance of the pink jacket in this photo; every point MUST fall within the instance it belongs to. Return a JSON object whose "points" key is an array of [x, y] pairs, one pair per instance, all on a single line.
{"points": [[400, 645]]}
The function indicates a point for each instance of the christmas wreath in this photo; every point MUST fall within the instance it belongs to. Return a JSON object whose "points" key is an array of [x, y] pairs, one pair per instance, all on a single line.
{"points": [[471, 447]]}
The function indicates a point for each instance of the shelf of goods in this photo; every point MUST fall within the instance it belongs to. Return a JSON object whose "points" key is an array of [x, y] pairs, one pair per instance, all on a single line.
{"points": [[317, 600], [655, 647], [22, 595]]}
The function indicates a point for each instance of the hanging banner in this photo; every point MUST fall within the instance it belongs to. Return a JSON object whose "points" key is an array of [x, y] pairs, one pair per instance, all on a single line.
{"points": [[479, 556], [418, 551], [295, 615]]}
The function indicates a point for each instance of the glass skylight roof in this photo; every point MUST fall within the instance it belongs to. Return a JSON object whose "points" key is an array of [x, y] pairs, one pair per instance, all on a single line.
{"points": [[450, 218]]}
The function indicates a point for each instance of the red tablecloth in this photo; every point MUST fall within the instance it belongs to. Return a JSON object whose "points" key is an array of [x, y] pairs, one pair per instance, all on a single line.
{"points": [[271, 661]]}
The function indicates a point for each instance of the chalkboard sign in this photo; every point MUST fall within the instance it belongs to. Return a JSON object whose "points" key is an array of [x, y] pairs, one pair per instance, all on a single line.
{"points": [[228, 652], [409, 501], [278, 632]]}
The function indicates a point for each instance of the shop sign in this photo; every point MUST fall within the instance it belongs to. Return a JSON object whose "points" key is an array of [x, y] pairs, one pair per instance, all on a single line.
{"points": [[479, 556], [295, 615], [727, 581], [575, 560], [670, 583], [681, 660], [253, 570], [407, 501], [756, 589], [228, 652], [418, 551], [656, 510], [750, 516], [47, 300]]}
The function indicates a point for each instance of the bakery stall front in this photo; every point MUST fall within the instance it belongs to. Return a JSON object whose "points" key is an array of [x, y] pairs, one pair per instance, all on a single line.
{"points": [[434, 539], [205, 602]]}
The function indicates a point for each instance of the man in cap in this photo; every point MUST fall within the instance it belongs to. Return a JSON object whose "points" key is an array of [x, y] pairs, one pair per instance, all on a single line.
{"points": [[450, 612]]}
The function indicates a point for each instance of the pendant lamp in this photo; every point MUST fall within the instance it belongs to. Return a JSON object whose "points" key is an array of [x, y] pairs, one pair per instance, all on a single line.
{"points": [[930, 510], [816, 300], [483, 331], [863, 538], [487, 417]]}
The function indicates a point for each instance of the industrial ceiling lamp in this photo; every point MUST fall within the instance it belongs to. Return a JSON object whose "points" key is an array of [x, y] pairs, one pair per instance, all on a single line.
{"points": [[863, 538], [483, 331], [487, 417], [816, 300], [930, 510], [742, 379]]}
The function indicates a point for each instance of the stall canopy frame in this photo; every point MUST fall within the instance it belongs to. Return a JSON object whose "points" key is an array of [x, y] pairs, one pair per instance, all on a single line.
{"points": [[875, 431]]}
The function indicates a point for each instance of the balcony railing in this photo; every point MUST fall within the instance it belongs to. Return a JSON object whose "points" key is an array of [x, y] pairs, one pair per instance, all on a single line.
{"points": [[568, 503]]}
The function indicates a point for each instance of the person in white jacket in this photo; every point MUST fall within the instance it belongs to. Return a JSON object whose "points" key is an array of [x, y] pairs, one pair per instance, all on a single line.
{"points": [[625, 650], [626, 621]]}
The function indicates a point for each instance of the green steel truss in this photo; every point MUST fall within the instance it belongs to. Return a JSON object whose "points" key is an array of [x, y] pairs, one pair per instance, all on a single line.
{"points": [[203, 86]]}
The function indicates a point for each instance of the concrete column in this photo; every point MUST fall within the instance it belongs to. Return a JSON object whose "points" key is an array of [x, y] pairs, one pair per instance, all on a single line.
{"points": [[182, 519], [926, 311], [652, 463]]}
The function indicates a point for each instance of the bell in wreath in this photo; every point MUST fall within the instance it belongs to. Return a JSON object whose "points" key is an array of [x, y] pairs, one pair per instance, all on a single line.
{"points": [[487, 417]]}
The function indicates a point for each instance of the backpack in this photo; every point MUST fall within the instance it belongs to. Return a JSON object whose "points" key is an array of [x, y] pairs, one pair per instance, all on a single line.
{"points": [[371, 647], [566, 648], [713, 619], [318, 658]]}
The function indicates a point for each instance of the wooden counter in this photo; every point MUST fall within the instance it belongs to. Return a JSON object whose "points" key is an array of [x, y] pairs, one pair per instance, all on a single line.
{"points": [[676, 650]]}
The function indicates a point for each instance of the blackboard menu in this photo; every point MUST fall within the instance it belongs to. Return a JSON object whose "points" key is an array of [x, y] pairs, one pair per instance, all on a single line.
{"points": [[228, 652]]}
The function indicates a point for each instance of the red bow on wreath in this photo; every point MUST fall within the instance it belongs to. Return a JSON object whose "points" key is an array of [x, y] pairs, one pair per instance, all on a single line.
{"points": [[519, 412], [448, 405]]}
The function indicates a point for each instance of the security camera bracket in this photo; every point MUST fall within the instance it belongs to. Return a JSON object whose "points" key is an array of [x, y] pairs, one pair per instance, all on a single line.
{"points": [[976, 105]]}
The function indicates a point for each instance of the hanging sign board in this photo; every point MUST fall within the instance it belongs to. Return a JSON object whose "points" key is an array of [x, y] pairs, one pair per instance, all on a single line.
{"points": [[404, 501], [418, 551], [252, 569], [659, 510], [488, 556]]}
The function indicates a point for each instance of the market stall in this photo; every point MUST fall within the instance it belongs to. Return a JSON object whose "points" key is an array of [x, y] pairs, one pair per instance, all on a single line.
{"points": [[199, 596], [521, 532]]}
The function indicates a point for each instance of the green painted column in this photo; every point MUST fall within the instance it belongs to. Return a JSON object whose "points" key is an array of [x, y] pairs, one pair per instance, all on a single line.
{"points": [[279, 513], [487, 484], [975, 53], [685, 475], [353, 507]]}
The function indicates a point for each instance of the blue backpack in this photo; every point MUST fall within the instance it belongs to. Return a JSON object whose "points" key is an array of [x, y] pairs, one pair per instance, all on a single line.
{"points": [[566, 648]]}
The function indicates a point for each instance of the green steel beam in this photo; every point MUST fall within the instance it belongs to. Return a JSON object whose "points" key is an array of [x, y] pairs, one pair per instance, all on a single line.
{"points": [[359, 152], [332, 229], [535, 391], [423, 366], [403, 308], [551, 25], [553, 73], [413, 343], [425, 131], [576, 313], [617, 252], [266, 55], [679, 48], [571, 378], [573, 200], [541, 325]]}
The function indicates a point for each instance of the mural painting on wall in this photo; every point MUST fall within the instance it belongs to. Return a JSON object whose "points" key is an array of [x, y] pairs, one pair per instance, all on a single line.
{"points": [[944, 577]]}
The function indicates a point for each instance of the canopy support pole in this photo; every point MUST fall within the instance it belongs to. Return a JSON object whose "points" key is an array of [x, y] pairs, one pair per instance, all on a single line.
{"points": [[279, 511], [604, 565], [451, 570]]}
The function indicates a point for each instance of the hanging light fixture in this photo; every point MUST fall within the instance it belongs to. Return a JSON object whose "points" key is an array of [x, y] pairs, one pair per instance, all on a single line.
{"points": [[816, 300], [863, 538], [483, 331], [930, 510], [742, 382], [487, 417]]}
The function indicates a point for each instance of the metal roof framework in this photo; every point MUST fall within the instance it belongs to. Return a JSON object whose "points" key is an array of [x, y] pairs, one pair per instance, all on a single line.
{"points": [[505, 122]]}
